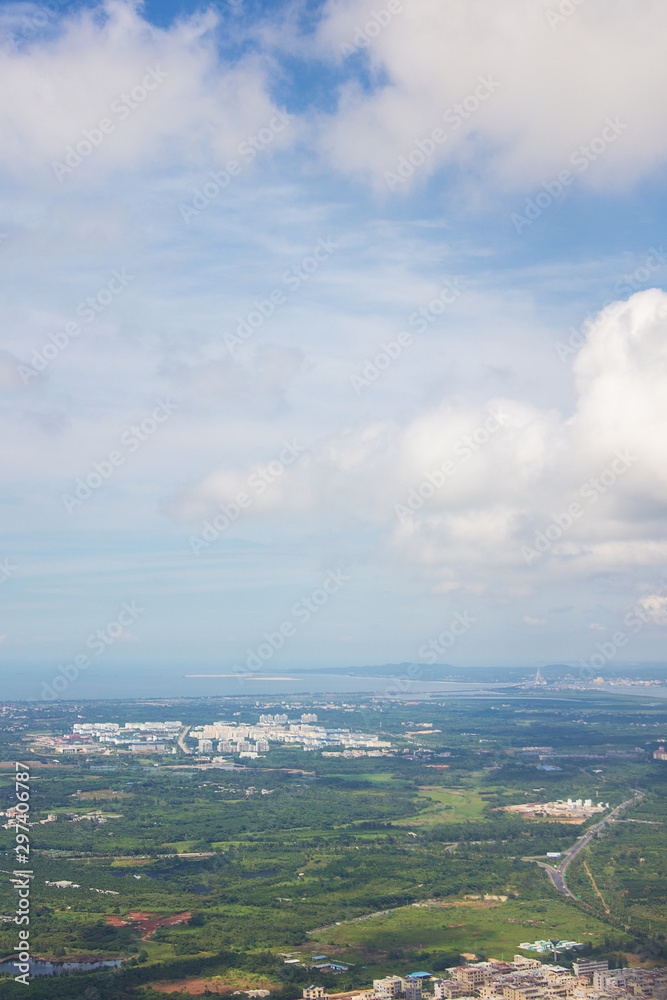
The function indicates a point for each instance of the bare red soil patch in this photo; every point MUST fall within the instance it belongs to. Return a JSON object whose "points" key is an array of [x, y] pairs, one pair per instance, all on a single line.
{"points": [[149, 922], [196, 987]]}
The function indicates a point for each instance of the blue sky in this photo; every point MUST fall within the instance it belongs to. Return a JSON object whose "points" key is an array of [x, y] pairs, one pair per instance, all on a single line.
{"points": [[378, 287]]}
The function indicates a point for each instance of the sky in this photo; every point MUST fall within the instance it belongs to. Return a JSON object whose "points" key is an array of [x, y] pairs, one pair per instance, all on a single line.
{"points": [[333, 333]]}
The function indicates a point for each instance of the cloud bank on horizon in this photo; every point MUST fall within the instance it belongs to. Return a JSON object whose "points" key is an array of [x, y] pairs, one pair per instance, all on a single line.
{"points": [[305, 287]]}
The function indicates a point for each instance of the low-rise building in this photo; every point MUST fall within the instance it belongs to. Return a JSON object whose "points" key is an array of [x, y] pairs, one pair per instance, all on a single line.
{"points": [[315, 993], [390, 986], [450, 989], [471, 975]]}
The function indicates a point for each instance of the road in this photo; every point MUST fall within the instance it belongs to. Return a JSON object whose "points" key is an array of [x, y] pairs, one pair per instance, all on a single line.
{"points": [[181, 738], [557, 875]]}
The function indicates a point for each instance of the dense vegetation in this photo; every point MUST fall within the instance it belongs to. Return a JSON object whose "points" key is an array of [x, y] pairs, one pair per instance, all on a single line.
{"points": [[295, 842]]}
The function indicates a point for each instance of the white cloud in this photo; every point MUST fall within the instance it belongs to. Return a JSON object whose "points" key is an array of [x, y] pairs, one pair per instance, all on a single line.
{"points": [[164, 92], [193, 284], [460, 488], [656, 608], [557, 88]]}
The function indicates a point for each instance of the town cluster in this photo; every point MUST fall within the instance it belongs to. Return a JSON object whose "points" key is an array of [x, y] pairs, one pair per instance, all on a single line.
{"points": [[222, 738], [521, 979], [250, 741], [104, 737]]}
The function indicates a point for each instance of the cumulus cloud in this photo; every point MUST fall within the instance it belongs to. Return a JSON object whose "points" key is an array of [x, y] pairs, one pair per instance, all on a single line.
{"points": [[621, 375], [557, 82], [161, 93], [459, 489]]}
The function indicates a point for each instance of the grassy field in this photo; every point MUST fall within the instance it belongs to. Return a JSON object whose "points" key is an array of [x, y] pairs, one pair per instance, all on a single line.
{"points": [[493, 929], [445, 805]]}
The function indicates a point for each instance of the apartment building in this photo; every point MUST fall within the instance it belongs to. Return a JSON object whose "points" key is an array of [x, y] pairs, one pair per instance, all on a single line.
{"points": [[588, 967]]}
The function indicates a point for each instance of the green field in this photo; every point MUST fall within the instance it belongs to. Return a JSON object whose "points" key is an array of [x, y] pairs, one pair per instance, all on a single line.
{"points": [[340, 839], [460, 926], [445, 805]]}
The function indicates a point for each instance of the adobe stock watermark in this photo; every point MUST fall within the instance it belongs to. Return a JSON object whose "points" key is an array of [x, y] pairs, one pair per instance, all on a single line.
{"points": [[430, 651], [372, 368], [459, 625], [98, 642], [627, 285], [131, 439], [591, 491], [87, 310], [302, 612], [364, 34], [121, 107], [454, 117], [564, 11], [292, 279], [7, 570], [652, 608], [463, 449], [258, 482], [247, 149], [581, 159]]}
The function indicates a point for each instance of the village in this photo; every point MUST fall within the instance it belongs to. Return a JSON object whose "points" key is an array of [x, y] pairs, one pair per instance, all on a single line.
{"points": [[520, 979]]}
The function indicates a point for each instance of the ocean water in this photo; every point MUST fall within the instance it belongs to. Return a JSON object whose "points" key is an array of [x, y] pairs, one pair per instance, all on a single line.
{"points": [[123, 681]]}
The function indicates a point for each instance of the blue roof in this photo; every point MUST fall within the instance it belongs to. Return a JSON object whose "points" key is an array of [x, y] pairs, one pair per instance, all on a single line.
{"points": [[419, 975]]}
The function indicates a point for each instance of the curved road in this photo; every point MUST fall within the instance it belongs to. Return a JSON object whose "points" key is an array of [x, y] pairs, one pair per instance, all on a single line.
{"points": [[557, 875]]}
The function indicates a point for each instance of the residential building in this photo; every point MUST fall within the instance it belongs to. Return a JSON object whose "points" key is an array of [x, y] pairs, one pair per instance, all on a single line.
{"points": [[588, 967], [471, 975], [390, 986], [412, 988], [449, 989]]}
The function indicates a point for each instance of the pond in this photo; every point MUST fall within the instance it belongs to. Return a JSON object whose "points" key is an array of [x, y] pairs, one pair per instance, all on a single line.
{"points": [[40, 968]]}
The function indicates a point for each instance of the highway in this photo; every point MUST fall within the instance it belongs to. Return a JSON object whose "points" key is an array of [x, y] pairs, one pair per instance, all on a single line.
{"points": [[557, 875]]}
